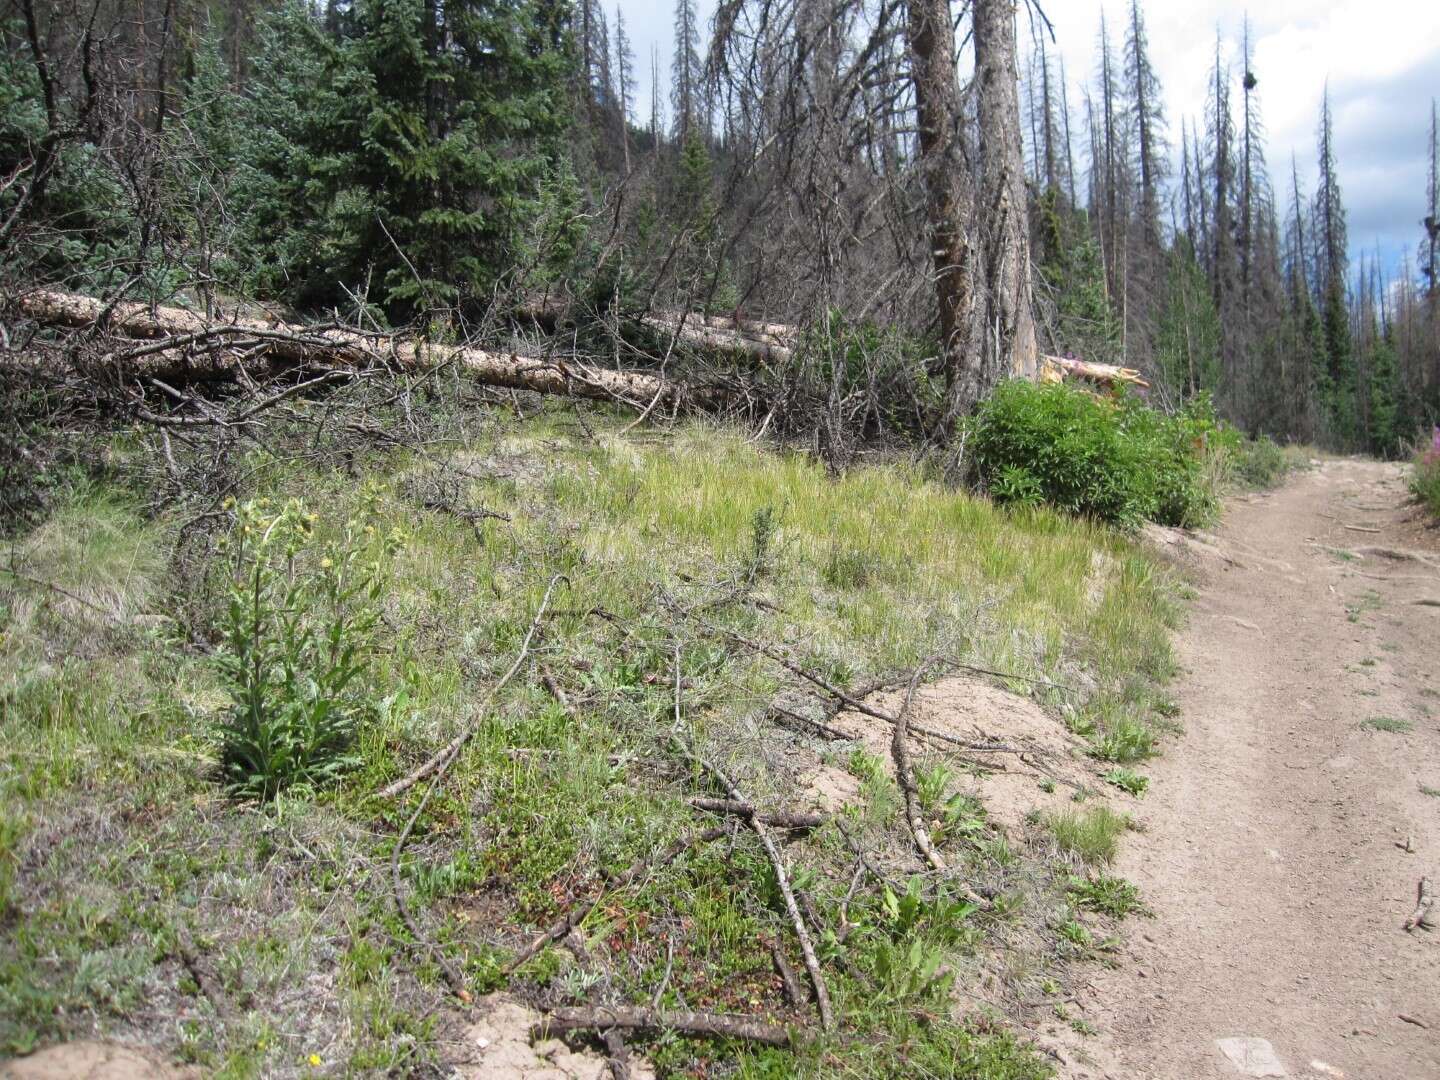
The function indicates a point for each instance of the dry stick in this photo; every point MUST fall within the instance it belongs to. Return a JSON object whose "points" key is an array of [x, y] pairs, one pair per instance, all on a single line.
{"points": [[900, 751], [793, 992], [555, 692], [439, 765], [1421, 916], [782, 879], [562, 926], [635, 1018], [780, 819], [619, 1056], [442, 759]]}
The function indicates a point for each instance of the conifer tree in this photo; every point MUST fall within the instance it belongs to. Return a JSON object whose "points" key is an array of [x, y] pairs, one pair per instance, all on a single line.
{"points": [[685, 91], [405, 156], [1147, 114]]}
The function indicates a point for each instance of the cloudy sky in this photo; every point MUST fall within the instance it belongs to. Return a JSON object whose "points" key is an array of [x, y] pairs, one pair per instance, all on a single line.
{"points": [[1380, 57]]}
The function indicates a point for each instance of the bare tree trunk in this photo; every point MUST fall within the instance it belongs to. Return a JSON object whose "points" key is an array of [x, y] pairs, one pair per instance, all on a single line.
{"points": [[1009, 345], [937, 106]]}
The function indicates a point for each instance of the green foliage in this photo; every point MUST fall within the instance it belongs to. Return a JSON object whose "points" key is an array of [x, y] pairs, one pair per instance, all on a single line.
{"points": [[297, 638], [1071, 265], [1385, 437], [1093, 835], [702, 269], [1260, 463], [1425, 479], [384, 157], [1118, 461], [1128, 780], [1108, 895], [1187, 345], [1389, 724]]}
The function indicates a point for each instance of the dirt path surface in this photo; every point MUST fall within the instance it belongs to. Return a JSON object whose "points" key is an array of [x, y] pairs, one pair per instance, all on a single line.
{"points": [[1275, 832]]}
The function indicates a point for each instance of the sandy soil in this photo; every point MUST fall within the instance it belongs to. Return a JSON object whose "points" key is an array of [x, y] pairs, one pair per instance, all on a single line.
{"points": [[1276, 829]]}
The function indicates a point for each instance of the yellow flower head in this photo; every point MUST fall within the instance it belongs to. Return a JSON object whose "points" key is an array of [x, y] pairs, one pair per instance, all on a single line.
{"points": [[326, 563], [315, 1061]]}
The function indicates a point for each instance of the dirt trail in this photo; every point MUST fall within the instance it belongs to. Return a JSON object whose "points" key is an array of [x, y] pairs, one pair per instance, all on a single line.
{"points": [[1273, 851]]}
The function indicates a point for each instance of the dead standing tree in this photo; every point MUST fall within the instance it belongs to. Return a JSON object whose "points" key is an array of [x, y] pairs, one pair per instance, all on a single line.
{"points": [[931, 36], [1009, 323]]}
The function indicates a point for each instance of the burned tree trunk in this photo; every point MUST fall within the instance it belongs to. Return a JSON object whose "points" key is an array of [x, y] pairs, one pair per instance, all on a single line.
{"points": [[1009, 323], [937, 106]]}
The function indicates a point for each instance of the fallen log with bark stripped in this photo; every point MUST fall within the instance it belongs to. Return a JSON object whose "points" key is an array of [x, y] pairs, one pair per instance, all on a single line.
{"points": [[760, 341], [1057, 368], [173, 342]]}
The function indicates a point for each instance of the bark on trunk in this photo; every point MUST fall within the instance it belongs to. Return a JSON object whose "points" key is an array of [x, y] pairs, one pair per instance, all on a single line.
{"points": [[184, 344], [1009, 325], [937, 107]]}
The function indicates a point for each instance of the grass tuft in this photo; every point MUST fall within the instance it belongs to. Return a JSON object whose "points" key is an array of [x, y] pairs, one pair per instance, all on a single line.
{"points": [[1391, 724], [1093, 835]]}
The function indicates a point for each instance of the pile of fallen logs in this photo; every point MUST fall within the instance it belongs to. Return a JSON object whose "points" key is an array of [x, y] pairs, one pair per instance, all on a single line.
{"points": [[162, 342], [175, 343]]}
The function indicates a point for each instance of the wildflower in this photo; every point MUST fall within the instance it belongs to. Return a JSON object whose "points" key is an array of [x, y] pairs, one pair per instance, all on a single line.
{"points": [[326, 564], [315, 1061]]}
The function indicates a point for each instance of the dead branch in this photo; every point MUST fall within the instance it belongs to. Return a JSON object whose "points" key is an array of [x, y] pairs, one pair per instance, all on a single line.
{"points": [[1420, 917], [793, 992], [439, 765], [904, 774], [780, 819], [618, 1056], [635, 1018], [782, 880]]}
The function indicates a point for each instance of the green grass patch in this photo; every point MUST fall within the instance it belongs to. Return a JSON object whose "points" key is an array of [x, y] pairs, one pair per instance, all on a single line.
{"points": [[1393, 725], [1107, 895], [1093, 835], [115, 701]]}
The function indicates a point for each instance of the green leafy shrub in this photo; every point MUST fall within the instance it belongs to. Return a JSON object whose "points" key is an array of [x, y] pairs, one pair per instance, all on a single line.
{"points": [[299, 630], [1260, 463], [1425, 481], [1116, 460]]}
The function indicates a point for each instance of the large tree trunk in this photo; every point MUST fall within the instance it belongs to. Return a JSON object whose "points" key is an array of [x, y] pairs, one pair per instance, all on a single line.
{"points": [[1009, 325], [185, 344], [937, 106]]}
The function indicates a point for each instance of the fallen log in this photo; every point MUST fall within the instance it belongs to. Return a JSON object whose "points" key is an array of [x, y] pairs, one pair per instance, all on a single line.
{"points": [[1056, 368], [698, 331], [723, 333], [184, 343]]}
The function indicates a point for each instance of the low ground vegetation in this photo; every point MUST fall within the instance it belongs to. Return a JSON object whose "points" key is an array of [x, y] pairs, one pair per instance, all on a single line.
{"points": [[1425, 480], [1114, 459], [215, 656]]}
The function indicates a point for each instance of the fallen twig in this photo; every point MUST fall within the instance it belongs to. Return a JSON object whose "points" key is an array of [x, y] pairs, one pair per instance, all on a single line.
{"points": [[439, 765], [1420, 917], [618, 1055], [793, 993], [780, 819], [636, 1018], [782, 880], [900, 751]]}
